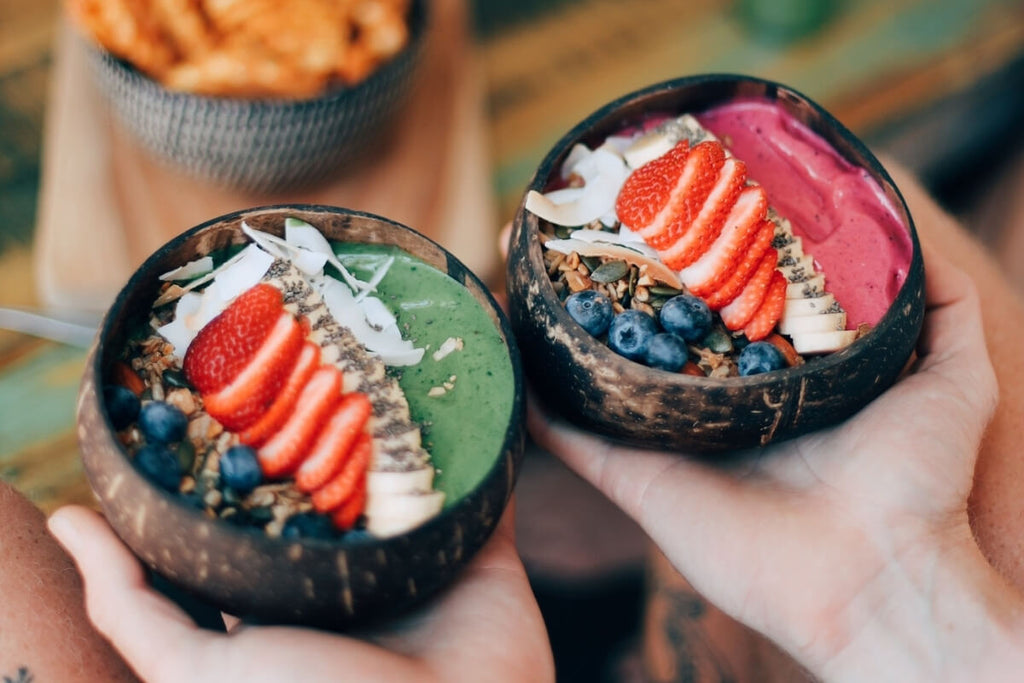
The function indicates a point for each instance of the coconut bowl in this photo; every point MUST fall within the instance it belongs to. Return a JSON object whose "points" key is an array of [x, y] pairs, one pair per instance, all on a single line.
{"points": [[260, 145], [579, 377], [332, 583]]}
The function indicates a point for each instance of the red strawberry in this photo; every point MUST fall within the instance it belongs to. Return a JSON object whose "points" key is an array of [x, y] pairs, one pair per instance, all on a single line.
{"points": [[283, 452], [741, 309], [250, 393], [224, 346], [334, 443], [739, 278], [712, 220], [763, 322], [700, 173], [649, 188], [344, 484], [713, 268], [268, 423], [345, 517]]}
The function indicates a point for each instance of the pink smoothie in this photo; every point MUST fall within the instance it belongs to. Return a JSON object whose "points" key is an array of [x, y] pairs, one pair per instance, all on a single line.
{"points": [[847, 224]]}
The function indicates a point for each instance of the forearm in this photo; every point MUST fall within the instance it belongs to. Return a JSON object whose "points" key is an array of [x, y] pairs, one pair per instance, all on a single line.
{"points": [[996, 506], [44, 632]]}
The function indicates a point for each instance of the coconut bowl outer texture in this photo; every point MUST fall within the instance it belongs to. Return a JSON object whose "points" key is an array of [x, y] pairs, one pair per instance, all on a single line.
{"points": [[329, 584], [579, 377], [261, 145]]}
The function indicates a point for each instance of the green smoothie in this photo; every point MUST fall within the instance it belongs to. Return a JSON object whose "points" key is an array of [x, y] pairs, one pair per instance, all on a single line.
{"points": [[463, 427]]}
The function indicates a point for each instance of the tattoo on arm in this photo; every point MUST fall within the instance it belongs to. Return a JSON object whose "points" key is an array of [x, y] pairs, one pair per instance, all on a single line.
{"points": [[697, 657], [22, 676]]}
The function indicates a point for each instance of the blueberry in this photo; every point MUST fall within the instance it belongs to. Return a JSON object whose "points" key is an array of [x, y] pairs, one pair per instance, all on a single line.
{"points": [[122, 405], [592, 310], [759, 357], [162, 423], [240, 469], [160, 464], [308, 525], [687, 316], [667, 351], [630, 333]]}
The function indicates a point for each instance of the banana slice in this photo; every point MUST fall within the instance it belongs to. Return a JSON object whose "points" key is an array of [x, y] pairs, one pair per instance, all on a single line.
{"points": [[648, 148], [825, 322], [801, 269], [791, 253], [823, 342], [411, 505], [388, 515], [399, 482], [802, 307], [806, 289]]}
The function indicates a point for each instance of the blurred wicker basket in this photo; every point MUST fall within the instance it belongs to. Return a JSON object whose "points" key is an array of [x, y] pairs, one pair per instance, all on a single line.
{"points": [[260, 145]]}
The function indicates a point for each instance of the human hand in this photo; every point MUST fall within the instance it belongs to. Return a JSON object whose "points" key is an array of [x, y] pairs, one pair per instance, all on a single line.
{"points": [[850, 547], [485, 627]]}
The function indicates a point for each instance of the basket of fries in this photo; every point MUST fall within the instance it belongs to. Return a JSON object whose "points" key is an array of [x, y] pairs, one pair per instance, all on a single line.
{"points": [[255, 95]]}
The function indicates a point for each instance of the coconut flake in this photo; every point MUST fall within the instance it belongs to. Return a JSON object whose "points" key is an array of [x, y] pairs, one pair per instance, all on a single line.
{"points": [[604, 172], [300, 234], [578, 152], [252, 264], [655, 268], [376, 279], [190, 270], [386, 343]]}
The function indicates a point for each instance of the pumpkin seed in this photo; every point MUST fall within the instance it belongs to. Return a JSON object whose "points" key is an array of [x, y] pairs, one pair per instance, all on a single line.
{"points": [[634, 275], [665, 290], [175, 378], [610, 272], [563, 231], [591, 262], [718, 341]]}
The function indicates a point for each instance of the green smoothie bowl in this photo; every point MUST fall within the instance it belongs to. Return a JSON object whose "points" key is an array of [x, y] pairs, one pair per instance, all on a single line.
{"points": [[303, 414]]}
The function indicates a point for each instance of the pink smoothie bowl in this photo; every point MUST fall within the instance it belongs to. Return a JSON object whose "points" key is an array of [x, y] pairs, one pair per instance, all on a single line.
{"points": [[838, 198]]}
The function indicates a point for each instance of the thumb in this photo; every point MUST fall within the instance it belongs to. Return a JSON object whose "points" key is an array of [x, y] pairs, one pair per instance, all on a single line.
{"points": [[149, 631]]}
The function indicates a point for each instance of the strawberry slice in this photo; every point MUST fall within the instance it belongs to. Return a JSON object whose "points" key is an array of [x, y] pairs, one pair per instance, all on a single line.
{"points": [[345, 517], [247, 396], [739, 278], [332, 447], [764, 321], [283, 452], [224, 346], [713, 218], [700, 173], [741, 309], [268, 423], [344, 484], [648, 189], [712, 269]]}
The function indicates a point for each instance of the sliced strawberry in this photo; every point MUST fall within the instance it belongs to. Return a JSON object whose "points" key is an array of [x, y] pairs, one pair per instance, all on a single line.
{"points": [[224, 346], [250, 393], [345, 517], [275, 415], [712, 269], [741, 309], [345, 483], [649, 188], [712, 219], [332, 447], [743, 272], [764, 321], [700, 173], [283, 452]]}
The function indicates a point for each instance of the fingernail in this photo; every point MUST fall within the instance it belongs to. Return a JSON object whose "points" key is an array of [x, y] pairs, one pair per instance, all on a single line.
{"points": [[62, 528]]}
